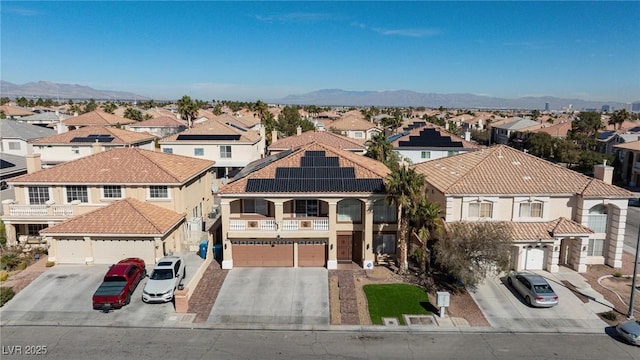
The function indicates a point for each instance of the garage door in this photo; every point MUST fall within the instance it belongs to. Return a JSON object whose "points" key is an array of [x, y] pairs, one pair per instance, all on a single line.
{"points": [[112, 251], [71, 251], [312, 253], [534, 259], [263, 253]]}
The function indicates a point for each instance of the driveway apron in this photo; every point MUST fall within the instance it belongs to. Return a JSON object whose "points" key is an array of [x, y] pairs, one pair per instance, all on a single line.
{"points": [[273, 296]]}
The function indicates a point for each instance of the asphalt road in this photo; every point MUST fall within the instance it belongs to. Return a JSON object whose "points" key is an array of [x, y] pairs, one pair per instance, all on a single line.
{"points": [[166, 343], [631, 231]]}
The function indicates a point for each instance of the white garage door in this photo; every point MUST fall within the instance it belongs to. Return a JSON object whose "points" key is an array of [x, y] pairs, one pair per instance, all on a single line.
{"points": [[112, 251], [71, 251], [534, 259]]}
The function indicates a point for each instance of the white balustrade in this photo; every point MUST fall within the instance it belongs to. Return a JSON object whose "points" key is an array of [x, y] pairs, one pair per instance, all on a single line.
{"points": [[236, 224], [321, 224]]}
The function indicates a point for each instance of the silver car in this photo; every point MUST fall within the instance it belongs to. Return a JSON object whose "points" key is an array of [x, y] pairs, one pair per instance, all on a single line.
{"points": [[535, 290], [630, 331]]}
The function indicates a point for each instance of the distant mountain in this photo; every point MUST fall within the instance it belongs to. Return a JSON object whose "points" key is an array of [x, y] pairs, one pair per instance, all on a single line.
{"points": [[405, 98], [46, 89]]}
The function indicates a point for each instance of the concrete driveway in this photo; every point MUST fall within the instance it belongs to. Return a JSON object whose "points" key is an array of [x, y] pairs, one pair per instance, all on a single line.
{"points": [[504, 308], [297, 296]]}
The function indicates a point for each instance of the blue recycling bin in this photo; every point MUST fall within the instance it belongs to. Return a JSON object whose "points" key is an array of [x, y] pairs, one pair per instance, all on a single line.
{"points": [[204, 244], [217, 251]]}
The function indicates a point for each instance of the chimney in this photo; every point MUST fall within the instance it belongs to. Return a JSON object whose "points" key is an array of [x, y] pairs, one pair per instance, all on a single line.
{"points": [[603, 172], [299, 130], [467, 135], [96, 147], [274, 135], [34, 163]]}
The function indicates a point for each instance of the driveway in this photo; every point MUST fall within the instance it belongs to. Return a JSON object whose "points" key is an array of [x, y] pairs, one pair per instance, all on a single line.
{"points": [[273, 296], [63, 295], [503, 307]]}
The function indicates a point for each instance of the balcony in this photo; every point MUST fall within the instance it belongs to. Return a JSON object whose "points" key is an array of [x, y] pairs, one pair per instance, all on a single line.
{"points": [[251, 224], [304, 224], [41, 210]]}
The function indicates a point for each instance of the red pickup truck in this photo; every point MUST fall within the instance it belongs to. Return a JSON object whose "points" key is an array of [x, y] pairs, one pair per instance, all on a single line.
{"points": [[118, 284]]}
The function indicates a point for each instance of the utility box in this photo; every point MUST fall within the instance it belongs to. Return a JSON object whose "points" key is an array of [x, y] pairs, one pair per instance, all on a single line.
{"points": [[442, 301]]}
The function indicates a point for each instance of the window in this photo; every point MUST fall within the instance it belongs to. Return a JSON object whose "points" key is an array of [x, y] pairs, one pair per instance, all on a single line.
{"points": [[597, 219], [34, 229], [14, 145], [384, 213], [358, 134], [481, 210], [167, 150], [158, 192], [38, 195], [254, 206], [75, 149], [112, 191], [198, 152], [384, 243], [349, 210], [306, 208], [425, 155], [596, 247], [533, 209], [452, 152], [77, 193], [225, 152]]}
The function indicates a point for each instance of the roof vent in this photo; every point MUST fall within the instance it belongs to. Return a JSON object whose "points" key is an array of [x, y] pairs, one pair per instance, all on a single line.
{"points": [[526, 178], [516, 163]]}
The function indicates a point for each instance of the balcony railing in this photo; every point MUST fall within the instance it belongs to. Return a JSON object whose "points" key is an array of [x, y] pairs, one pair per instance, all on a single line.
{"points": [[262, 225], [306, 224], [272, 225], [41, 210]]}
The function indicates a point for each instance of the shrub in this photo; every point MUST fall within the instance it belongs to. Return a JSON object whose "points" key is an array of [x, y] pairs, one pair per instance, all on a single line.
{"points": [[9, 261], [617, 274], [609, 315], [4, 275], [22, 265], [50, 263], [6, 294]]}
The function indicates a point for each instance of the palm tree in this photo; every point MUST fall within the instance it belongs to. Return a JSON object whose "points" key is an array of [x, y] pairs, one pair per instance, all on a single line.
{"points": [[380, 149], [188, 109], [261, 109], [426, 223], [618, 117], [404, 188]]}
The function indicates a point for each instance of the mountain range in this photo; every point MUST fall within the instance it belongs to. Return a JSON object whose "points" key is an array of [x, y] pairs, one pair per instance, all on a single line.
{"points": [[326, 97]]}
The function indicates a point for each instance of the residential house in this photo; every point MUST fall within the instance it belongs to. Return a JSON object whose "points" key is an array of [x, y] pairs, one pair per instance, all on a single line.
{"points": [[44, 118], [160, 127], [307, 137], [231, 148], [312, 206], [501, 134], [87, 140], [422, 141], [95, 118], [242, 123], [558, 131], [355, 128], [14, 112], [607, 140], [556, 216], [15, 136], [72, 190], [629, 156]]}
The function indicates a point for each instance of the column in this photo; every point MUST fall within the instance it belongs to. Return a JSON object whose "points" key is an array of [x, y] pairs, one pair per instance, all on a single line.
{"points": [[11, 232], [225, 213], [332, 261], [89, 247], [369, 255]]}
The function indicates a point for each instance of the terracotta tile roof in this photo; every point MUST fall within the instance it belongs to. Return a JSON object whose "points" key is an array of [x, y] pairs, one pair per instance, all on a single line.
{"points": [[441, 131], [247, 117], [365, 168], [555, 130], [246, 122], [127, 165], [564, 226], [503, 170], [160, 121], [214, 127], [542, 230], [635, 145], [324, 137], [352, 123], [119, 136], [160, 112], [124, 217], [15, 111], [97, 117]]}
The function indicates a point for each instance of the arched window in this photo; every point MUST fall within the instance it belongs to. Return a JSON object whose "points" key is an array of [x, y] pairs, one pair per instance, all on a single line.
{"points": [[349, 210], [598, 219]]}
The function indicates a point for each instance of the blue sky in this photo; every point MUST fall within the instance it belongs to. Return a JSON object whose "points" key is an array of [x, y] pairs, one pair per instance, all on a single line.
{"points": [[267, 50]]}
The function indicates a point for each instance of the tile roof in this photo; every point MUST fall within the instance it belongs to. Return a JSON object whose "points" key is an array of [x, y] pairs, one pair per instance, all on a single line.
{"points": [[13, 129], [352, 123], [518, 124], [442, 132], [127, 165], [45, 116], [246, 122], [325, 137], [160, 112], [542, 230], [15, 111], [159, 122], [214, 127], [119, 136], [555, 130], [365, 168], [634, 145], [503, 170], [124, 217], [97, 117]]}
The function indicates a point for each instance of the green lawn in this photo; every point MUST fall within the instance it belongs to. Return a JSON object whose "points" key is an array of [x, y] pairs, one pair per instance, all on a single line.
{"points": [[394, 300]]}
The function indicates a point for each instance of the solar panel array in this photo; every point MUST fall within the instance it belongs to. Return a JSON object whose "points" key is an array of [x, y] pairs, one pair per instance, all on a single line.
{"points": [[208, 137], [317, 173], [93, 138], [430, 138]]}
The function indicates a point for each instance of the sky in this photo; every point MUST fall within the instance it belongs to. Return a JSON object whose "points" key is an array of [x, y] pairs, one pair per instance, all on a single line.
{"points": [[267, 50]]}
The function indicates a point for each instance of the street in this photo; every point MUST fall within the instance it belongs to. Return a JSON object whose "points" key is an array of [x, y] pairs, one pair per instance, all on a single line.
{"points": [[631, 231], [59, 342]]}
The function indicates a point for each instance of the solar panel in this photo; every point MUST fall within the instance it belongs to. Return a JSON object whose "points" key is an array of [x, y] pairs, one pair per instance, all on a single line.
{"points": [[315, 153], [208, 137], [92, 139]]}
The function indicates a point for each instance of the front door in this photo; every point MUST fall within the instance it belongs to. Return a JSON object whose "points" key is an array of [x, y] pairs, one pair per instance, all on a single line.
{"points": [[344, 247]]}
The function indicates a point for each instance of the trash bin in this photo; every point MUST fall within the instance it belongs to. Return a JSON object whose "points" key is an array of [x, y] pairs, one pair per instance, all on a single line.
{"points": [[217, 251], [204, 244]]}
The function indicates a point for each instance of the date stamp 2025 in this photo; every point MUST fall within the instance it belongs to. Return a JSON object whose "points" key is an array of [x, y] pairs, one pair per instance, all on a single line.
{"points": [[23, 350]]}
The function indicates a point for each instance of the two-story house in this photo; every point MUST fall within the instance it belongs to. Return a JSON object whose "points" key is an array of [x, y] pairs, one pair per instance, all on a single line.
{"points": [[72, 190], [15, 136], [355, 127], [315, 205], [307, 137], [161, 126], [231, 148], [93, 118], [87, 140], [557, 216], [501, 133], [629, 155], [14, 112], [44, 118]]}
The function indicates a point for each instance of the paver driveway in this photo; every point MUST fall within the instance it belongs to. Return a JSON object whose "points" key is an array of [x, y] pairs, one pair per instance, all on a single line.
{"points": [[273, 296]]}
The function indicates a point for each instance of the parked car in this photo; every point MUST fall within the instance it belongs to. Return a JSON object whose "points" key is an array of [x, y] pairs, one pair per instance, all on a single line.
{"points": [[118, 284], [630, 331], [535, 290], [164, 279]]}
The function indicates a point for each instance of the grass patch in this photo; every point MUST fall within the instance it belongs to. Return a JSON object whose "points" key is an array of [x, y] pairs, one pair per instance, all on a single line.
{"points": [[394, 300]]}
